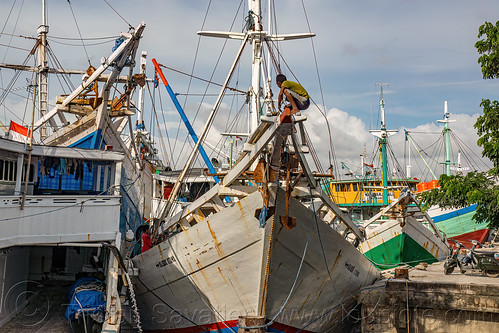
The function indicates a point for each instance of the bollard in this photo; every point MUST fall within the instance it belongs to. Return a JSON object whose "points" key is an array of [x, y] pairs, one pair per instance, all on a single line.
{"points": [[402, 273]]}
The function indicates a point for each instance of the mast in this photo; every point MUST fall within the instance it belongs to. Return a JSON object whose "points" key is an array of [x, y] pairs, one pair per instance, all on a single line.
{"points": [[268, 90], [255, 35], [408, 166], [42, 31], [382, 142], [256, 43], [383, 135], [143, 62], [42, 70], [446, 133], [447, 141]]}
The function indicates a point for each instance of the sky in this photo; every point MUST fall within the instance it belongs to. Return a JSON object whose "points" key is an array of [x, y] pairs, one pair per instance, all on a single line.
{"points": [[423, 49]]}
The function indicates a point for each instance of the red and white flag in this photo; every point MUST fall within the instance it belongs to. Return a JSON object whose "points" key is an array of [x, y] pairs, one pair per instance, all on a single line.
{"points": [[18, 132]]}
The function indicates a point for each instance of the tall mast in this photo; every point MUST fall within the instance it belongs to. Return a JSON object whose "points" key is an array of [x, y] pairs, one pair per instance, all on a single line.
{"points": [[256, 36], [447, 140], [383, 135], [382, 142], [446, 133], [43, 69], [408, 166], [254, 7], [143, 62], [268, 82]]}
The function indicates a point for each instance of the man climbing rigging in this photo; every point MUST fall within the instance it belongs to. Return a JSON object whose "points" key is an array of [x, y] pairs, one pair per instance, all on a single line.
{"points": [[299, 99], [296, 95]]}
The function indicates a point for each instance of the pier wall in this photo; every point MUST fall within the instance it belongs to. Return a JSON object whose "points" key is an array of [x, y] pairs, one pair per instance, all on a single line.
{"points": [[431, 306]]}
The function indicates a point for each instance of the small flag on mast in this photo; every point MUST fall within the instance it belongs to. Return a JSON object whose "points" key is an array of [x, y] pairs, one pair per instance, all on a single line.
{"points": [[18, 132]]}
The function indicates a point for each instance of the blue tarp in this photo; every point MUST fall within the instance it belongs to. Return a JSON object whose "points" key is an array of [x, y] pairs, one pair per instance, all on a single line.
{"points": [[85, 295]]}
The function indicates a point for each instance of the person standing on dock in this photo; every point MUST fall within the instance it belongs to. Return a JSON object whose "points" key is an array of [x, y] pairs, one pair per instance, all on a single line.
{"points": [[146, 242], [294, 92]]}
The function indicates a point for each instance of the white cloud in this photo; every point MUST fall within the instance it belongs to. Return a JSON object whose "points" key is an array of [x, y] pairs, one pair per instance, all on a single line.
{"points": [[350, 135], [425, 49]]}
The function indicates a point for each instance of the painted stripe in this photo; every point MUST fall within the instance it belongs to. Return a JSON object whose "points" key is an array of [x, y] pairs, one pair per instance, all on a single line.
{"points": [[479, 235], [397, 250], [220, 327], [455, 213], [91, 141]]}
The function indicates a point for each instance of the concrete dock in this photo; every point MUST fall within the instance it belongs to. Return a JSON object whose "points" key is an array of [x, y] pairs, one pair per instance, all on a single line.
{"points": [[43, 313], [430, 301]]}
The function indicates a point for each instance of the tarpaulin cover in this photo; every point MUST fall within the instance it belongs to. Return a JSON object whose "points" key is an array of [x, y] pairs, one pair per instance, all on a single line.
{"points": [[88, 292]]}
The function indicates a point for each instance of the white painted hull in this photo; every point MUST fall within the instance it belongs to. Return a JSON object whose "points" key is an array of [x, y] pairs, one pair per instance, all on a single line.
{"points": [[215, 270], [378, 238]]}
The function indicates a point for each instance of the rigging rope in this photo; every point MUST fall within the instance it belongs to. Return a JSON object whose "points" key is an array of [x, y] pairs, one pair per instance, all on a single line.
{"points": [[322, 249], [88, 44], [461, 143], [172, 165], [14, 47], [201, 79], [15, 26], [109, 38], [7, 20], [12, 112], [398, 168], [171, 308], [277, 63], [190, 79], [207, 86], [292, 286], [129, 25], [196, 53], [159, 131], [79, 32], [62, 75], [197, 289], [335, 164], [12, 81], [30, 88]]}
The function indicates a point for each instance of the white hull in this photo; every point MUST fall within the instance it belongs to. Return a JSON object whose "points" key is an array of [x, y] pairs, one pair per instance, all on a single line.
{"points": [[223, 260], [402, 239], [413, 229]]}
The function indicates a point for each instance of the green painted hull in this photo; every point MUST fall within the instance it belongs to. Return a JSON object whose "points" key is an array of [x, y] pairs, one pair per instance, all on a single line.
{"points": [[399, 249], [458, 222]]}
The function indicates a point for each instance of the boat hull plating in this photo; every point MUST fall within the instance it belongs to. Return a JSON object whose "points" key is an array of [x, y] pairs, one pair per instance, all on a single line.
{"points": [[215, 271], [392, 244], [459, 224]]}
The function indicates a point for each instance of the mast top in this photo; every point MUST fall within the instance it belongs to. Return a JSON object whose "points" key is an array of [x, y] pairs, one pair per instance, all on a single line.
{"points": [[383, 132], [446, 119]]}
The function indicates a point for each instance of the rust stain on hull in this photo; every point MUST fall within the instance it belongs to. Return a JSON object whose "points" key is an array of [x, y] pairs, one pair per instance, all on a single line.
{"points": [[205, 277], [160, 252], [338, 256], [301, 308], [217, 243]]}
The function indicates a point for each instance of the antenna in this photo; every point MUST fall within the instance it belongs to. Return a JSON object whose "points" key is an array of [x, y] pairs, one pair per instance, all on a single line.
{"points": [[382, 104]]}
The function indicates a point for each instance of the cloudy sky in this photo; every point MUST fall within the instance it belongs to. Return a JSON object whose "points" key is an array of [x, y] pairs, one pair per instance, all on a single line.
{"points": [[423, 49]]}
